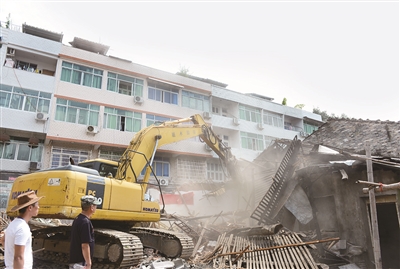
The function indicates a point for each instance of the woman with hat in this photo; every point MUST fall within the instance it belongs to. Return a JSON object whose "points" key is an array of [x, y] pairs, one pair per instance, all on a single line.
{"points": [[18, 236]]}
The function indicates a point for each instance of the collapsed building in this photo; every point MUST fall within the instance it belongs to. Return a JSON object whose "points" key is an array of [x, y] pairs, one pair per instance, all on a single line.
{"points": [[319, 185]]}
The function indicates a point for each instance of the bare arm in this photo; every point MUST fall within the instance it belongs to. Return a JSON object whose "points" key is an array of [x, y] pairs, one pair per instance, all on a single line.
{"points": [[86, 255], [19, 256]]}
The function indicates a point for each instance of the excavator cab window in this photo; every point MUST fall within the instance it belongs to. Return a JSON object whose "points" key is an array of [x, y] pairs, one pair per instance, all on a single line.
{"points": [[104, 169]]}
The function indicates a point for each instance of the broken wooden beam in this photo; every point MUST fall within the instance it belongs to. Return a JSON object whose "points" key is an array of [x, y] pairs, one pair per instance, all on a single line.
{"points": [[282, 246]]}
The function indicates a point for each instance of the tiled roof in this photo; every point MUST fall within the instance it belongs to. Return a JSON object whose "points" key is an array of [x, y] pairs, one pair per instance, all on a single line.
{"points": [[350, 135]]}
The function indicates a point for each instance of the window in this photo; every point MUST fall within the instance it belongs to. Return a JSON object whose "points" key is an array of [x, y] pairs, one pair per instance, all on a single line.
{"points": [[124, 84], [157, 120], [309, 128], [272, 119], [268, 140], [225, 140], [252, 141], [81, 75], [215, 110], [163, 93], [249, 113], [24, 99], [110, 155], [215, 172], [25, 66], [122, 120], [160, 167], [195, 101], [20, 150], [60, 156], [77, 112]]}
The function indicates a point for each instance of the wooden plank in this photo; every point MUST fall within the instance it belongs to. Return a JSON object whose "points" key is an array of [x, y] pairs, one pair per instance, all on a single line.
{"points": [[293, 253], [372, 204], [304, 251], [286, 255]]}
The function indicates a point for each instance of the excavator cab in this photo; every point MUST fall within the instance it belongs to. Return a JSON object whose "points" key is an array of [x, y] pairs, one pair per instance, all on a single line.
{"points": [[106, 168]]}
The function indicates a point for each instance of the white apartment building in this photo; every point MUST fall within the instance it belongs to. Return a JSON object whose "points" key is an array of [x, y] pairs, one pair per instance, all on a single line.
{"points": [[60, 101]]}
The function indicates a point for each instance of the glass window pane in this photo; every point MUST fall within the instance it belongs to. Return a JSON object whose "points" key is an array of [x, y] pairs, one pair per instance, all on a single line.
{"points": [[23, 152], [72, 114], [93, 118], [76, 77], [36, 154], [87, 79], [5, 99], [31, 104], [9, 151], [66, 74], [83, 116]]}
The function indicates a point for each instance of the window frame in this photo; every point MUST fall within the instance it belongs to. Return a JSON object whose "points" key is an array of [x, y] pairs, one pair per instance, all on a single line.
{"points": [[79, 74]]}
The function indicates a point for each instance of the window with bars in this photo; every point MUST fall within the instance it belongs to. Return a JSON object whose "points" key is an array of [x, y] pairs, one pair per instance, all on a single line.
{"points": [[215, 172], [81, 75], [24, 99], [61, 156], [122, 120], [110, 155], [77, 112]]}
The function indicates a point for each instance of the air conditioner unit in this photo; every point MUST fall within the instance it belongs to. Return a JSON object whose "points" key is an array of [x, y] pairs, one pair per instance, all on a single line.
{"points": [[207, 147], [164, 182], [260, 126], [206, 115], [302, 134], [35, 165], [236, 121], [138, 100], [41, 116], [92, 129]]}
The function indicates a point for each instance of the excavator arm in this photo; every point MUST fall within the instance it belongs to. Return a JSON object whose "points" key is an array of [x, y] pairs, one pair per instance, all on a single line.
{"points": [[148, 140]]}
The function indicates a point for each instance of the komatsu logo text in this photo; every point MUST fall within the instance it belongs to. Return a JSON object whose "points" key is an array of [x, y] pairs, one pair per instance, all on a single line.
{"points": [[150, 209]]}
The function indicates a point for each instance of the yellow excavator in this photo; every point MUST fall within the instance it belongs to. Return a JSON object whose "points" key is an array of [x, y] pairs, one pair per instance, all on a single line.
{"points": [[125, 207]]}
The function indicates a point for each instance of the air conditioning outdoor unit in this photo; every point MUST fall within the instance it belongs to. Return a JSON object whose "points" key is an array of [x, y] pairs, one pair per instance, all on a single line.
{"points": [[138, 100], [35, 165], [302, 134], [92, 129], [260, 126], [206, 115], [41, 116], [236, 121], [164, 182], [207, 147]]}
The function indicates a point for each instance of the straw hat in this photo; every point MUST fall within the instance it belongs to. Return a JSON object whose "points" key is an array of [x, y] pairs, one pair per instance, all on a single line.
{"points": [[25, 199]]}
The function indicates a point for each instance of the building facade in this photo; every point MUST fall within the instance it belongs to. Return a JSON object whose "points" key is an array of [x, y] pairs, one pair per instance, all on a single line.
{"points": [[60, 102]]}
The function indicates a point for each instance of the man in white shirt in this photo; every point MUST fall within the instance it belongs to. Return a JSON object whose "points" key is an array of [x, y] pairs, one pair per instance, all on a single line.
{"points": [[18, 236]]}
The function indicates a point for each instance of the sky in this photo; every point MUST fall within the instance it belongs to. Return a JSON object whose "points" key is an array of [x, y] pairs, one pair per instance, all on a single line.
{"points": [[339, 56]]}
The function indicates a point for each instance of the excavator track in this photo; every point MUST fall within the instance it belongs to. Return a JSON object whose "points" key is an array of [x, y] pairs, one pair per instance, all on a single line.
{"points": [[169, 243], [113, 249]]}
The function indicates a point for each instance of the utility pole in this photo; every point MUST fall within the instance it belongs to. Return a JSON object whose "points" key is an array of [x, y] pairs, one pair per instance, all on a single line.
{"points": [[372, 204]]}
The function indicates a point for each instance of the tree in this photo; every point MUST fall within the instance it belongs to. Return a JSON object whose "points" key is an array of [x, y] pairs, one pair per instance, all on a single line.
{"points": [[284, 101], [299, 106], [325, 116], [183, 71], [8, 22]]}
